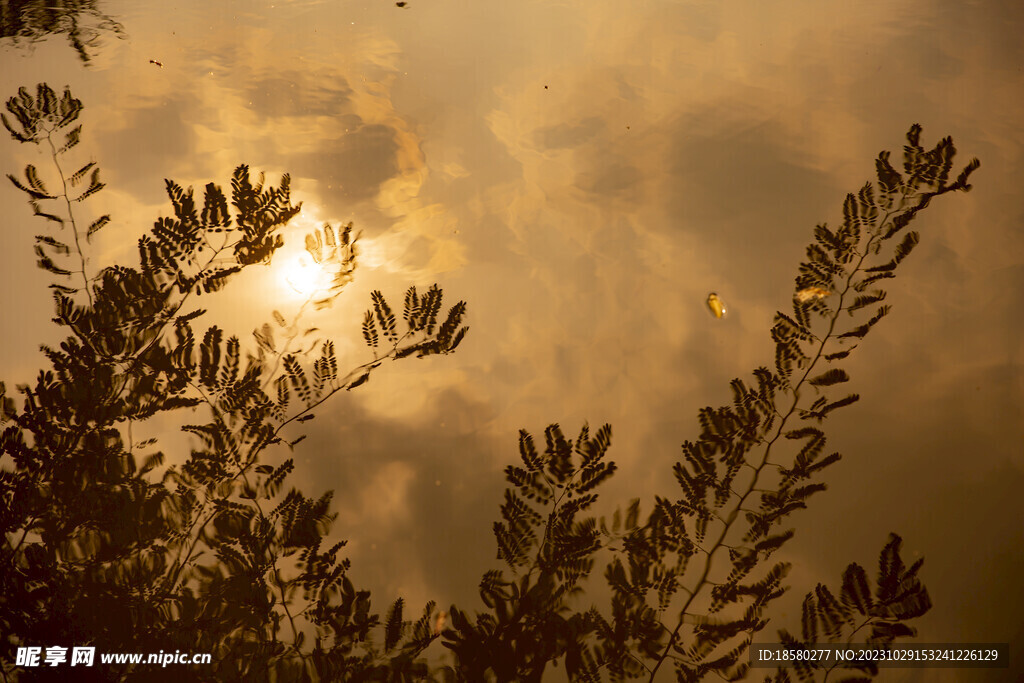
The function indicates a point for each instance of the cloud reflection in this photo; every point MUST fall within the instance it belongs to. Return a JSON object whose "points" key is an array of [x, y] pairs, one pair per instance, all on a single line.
{"points": [[584, 175]]}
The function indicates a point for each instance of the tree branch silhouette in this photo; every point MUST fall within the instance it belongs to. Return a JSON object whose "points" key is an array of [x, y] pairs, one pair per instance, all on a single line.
{"points": [[192, 559]]}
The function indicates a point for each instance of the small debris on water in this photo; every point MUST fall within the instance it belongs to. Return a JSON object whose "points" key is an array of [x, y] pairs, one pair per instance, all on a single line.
{"points": [[716, 305], [810, 293]]}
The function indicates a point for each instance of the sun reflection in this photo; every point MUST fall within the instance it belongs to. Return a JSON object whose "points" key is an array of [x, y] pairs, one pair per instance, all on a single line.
{"points": [[302, 275]]}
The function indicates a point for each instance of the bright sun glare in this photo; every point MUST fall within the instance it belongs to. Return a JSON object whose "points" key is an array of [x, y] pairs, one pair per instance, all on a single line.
{"points": [[297, 275], [302, 275]]}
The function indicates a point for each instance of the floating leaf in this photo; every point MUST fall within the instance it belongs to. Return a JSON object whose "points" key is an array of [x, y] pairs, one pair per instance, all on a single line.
{"points": [[716, 305], [811, 293]]}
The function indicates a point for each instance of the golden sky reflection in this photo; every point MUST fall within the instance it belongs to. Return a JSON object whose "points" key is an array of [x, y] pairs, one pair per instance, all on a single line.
{"points": [[584, 174]]}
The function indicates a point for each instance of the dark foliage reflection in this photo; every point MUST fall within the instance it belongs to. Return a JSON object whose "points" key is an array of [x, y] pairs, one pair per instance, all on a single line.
{"points": [[29, 21]]}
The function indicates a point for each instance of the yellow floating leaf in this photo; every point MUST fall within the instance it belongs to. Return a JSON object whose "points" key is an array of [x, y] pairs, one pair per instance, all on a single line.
{"points": [[809, 293], [716, 305]]}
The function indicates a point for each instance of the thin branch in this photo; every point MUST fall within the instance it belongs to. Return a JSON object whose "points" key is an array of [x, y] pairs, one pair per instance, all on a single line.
{"points": [[71, 216]]}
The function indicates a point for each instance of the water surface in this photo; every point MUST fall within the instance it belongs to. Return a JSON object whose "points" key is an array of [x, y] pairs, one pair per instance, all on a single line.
{"points": [[584, 174]]}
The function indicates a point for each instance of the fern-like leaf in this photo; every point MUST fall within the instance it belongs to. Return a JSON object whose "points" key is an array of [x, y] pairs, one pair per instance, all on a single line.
{"points": [[829, 377], [385, 317], [393, 626], [370, 330]]}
